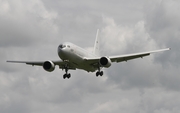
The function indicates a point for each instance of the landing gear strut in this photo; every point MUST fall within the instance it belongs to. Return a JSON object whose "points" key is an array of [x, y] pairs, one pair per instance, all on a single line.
{"points": [[66, 75]]}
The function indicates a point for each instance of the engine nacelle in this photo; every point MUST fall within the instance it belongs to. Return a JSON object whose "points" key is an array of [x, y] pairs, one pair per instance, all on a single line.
{"points": [[49, 66], [105, 62]]}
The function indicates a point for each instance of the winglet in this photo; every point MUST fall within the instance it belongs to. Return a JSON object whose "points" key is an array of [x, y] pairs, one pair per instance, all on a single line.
{"points": [[96, 44]]}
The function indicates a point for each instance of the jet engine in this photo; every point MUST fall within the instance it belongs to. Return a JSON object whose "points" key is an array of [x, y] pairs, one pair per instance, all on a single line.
{"points": [[49, 66], [105, 62]]}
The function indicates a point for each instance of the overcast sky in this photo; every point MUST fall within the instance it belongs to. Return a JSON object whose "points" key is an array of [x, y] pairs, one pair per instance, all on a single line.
{"points": [[33, 29]]}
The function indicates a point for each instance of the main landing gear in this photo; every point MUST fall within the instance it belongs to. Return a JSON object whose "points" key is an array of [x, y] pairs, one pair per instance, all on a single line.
{"points": [[99, 72], [66, 75]]}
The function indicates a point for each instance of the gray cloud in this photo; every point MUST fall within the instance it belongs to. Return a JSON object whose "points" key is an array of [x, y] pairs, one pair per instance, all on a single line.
{"points": [[162, 23], [32, 30]]}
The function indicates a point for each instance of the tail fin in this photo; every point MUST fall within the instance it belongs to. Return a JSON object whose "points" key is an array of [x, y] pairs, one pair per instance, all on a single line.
{"points": [[96, 44]]}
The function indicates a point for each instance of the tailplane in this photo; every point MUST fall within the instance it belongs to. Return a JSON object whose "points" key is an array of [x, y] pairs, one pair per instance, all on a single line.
{"points": [[96, 44]]}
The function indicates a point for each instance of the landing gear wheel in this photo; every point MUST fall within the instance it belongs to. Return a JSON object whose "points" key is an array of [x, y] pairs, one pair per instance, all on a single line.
{"points": [[97, 73], [64, 76], [68, 75], [101, 73]]}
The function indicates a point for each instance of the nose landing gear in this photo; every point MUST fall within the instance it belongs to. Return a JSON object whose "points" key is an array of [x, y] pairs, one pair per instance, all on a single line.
{"points": [[66, 75]]}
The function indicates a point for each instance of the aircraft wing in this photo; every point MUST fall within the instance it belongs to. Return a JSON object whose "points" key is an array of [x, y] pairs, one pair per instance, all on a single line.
{"points": [[37, 63], [127, 57], [121, 58], [60, 63]]}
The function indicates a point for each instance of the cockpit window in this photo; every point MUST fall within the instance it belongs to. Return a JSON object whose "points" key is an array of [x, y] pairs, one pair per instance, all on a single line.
{"points": [[62, 46]]}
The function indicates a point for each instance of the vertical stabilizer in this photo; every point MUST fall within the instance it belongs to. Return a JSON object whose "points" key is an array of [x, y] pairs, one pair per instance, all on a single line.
{"points": [[96, 44]]}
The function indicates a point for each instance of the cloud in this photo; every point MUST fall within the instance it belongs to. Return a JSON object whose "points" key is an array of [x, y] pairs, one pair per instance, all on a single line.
{"points": [[162, 23], [125, 38], [20, 21]]}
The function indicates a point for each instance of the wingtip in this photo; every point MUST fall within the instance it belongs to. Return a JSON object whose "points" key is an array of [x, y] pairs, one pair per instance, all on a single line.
{"points": [[167, 49]]}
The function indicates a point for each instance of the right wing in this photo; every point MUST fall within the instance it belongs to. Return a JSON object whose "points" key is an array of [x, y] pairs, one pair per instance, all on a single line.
{"points": [[37, 63], [60, 63]]}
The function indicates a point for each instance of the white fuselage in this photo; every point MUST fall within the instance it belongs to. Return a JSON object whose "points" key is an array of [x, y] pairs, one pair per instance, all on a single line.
{"points": [[76, 55]]}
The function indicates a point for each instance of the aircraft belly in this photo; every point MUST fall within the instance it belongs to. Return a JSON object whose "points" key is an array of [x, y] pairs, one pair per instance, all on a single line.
{"points": [[87, 67], [80, 63]]}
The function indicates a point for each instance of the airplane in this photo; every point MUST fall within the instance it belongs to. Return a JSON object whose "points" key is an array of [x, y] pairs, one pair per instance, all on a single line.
{"points": [[74, 57]]}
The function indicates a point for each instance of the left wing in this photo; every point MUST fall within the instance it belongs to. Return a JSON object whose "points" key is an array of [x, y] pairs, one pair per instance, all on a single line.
{"points": [[127, 57], [121, 58]]}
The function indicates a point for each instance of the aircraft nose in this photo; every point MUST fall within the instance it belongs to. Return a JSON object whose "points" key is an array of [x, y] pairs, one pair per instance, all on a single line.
{"points": [[62, 51], [60, 48]]}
